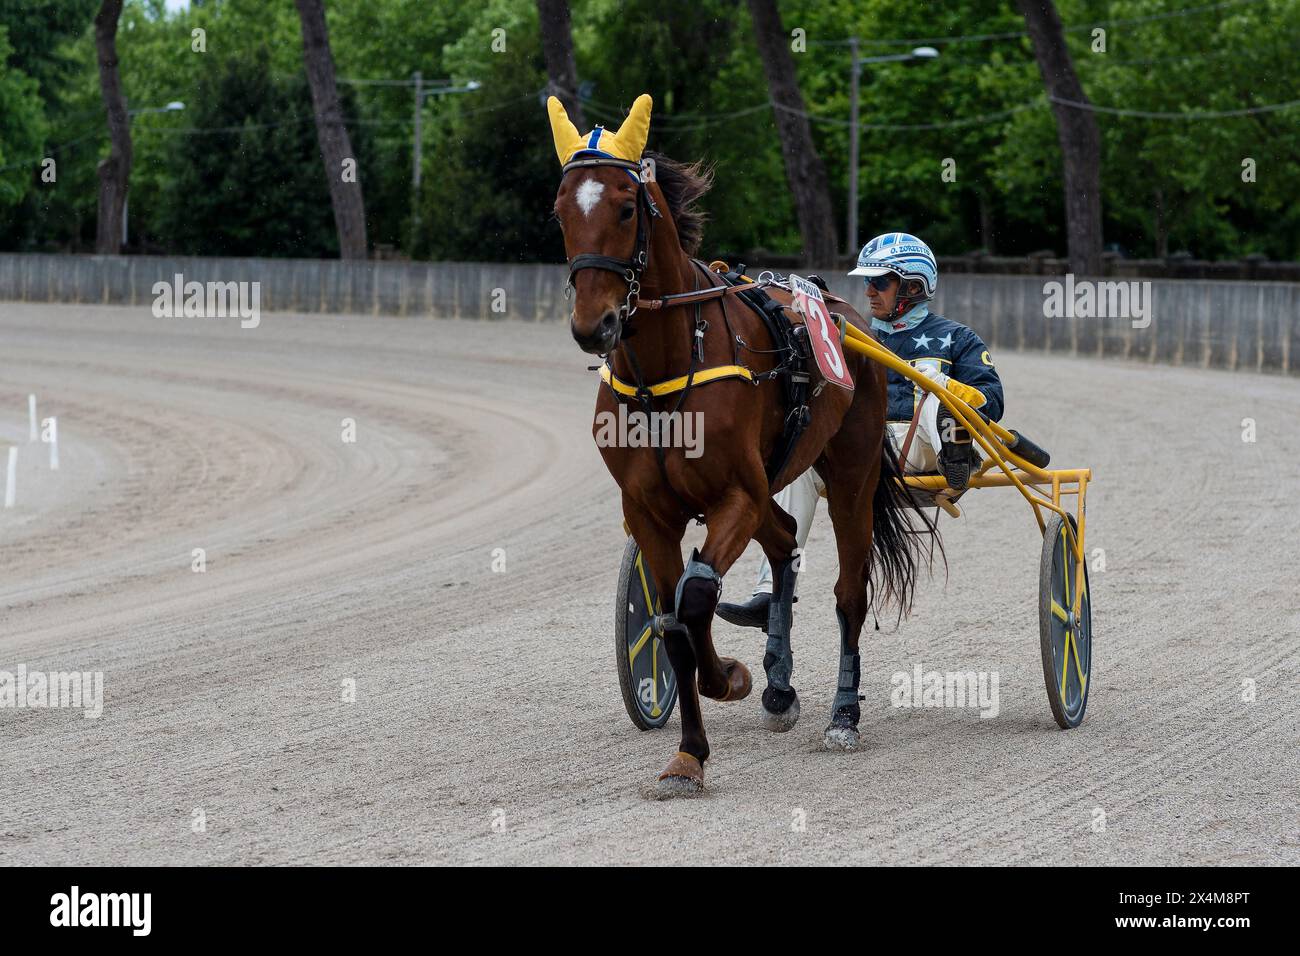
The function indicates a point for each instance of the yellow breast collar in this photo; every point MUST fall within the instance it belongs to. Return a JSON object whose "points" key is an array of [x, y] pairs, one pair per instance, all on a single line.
{"points": [[673, 385]]}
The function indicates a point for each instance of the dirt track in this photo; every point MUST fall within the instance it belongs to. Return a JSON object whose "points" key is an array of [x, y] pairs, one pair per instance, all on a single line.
{"points": [[487, 726]]}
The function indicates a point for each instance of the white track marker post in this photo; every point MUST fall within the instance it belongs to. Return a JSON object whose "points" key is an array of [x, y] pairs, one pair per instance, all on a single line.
{"points": [[54, 443], [32, 434], [11, 476]]}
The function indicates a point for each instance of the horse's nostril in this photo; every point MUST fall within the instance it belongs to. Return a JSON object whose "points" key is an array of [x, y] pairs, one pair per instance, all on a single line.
{"points": [[607, 323]]}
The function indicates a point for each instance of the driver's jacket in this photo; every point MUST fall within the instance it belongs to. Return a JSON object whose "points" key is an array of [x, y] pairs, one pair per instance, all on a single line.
{"points": [[958, 352]]}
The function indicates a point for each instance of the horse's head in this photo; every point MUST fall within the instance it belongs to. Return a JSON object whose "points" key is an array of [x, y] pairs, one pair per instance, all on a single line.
{"points": [[604, 210]]}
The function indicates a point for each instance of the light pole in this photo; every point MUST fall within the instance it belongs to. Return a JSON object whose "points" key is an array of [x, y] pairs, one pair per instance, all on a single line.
{"points": [[171, 107], [438, 88], [919, 53]]}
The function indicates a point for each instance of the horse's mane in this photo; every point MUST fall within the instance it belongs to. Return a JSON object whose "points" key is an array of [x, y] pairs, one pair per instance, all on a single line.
{"points": [[682, 184]]}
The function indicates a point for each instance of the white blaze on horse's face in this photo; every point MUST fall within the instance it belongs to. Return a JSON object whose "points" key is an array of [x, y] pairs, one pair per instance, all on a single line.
{"points": [[588, 196]]}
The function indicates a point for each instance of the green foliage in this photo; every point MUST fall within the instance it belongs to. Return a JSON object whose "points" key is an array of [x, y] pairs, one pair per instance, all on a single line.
{"points": [[264, 193], [38, 33], [256, 186], [22, 127]]}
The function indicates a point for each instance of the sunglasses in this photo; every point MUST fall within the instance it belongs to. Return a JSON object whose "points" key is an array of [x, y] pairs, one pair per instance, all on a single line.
{"points": [[881, 283]]}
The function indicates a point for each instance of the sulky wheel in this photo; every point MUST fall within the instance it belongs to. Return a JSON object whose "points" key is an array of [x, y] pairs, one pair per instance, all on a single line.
{"points": [[1065, 622], [644, 672]]}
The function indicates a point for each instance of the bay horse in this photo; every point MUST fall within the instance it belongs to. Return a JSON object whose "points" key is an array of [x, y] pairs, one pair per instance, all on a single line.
{"points": [[671, 339]]}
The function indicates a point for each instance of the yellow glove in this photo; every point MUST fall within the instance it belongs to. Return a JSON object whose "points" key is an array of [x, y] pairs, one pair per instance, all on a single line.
{"points": [[967, 393]]}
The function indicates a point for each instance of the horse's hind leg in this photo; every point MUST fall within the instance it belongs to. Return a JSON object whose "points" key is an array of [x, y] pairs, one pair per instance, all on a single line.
{"points": [[780, 702], [850, 505]]}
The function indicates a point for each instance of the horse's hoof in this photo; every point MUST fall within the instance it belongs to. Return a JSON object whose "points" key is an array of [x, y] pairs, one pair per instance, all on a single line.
{"points": [[841, 738], [782, 720], [739, 683], [683, 777]]}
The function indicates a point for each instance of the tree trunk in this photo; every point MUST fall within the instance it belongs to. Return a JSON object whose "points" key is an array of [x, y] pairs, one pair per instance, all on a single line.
{"points": [[1076, 128], [557, 48], [986, 224], [803, 167], [1162, 225], [115, 170], [335, 146]]}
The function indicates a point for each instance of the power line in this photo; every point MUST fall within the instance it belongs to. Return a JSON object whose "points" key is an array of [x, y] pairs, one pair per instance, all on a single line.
{"points": [[353, 82], [1041, 101], [298, 120], [246, 127], [1108, 60], [684, 117], [1038, 101], [57, 149], [1020, 34], [1105, 60], [685, 122], [1193, 115]]}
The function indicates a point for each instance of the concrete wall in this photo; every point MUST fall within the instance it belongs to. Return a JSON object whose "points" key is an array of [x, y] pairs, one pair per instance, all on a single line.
{"points": [[1233, 325], [439, 289], [1253, 326]]}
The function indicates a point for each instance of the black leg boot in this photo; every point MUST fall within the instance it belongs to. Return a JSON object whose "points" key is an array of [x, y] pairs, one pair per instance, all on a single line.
{"points": [[842, 734], [780, 702]]}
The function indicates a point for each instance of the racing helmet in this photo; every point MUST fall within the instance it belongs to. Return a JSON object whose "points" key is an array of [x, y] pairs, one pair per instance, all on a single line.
{"points": [[905, 256]]}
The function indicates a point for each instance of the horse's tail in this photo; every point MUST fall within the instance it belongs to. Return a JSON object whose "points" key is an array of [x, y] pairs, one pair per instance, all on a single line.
{"points": [[898, 546]]}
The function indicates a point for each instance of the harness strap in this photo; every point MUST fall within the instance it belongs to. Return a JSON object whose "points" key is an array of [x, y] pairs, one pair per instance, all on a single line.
{"points": [[907, 442], [645, 396], [713, 292], [691, 298], [674, 385]]}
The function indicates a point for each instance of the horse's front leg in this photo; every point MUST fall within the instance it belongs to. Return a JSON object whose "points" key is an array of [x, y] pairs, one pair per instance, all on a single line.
{"points": [[732, 523], [661, 547]]}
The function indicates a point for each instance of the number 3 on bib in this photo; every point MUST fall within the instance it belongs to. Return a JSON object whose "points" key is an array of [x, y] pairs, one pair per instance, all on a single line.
{"points": [[822, 333]]}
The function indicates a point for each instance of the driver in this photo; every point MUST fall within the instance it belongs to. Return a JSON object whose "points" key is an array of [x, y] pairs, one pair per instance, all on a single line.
{"points": [[901, 278]]}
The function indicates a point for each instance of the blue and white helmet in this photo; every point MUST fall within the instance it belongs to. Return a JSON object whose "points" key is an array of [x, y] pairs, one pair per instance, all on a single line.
{"points": [[905, 256]]}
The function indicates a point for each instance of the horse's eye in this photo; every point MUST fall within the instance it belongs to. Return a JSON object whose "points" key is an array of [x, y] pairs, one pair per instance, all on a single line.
{"points": [[627, 213]]}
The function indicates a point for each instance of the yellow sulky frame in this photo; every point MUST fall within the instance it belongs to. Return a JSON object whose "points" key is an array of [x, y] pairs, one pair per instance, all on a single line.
{"points": [[1015, 471]]}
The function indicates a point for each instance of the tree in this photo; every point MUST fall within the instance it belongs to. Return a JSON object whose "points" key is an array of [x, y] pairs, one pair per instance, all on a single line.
{"points": [[1202, 155], [803, 167], [37, 32], [21, 127], [241, 191], [557, 48], [335, 146], [494, 185], [1076, 127], [115, 169]]}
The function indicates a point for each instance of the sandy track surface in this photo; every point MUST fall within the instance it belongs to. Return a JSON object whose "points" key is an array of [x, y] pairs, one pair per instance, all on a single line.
{"points": [[487, 725]]}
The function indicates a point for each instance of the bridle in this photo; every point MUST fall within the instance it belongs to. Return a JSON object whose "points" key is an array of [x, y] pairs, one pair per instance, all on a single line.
{"points": [[630, 269]]}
